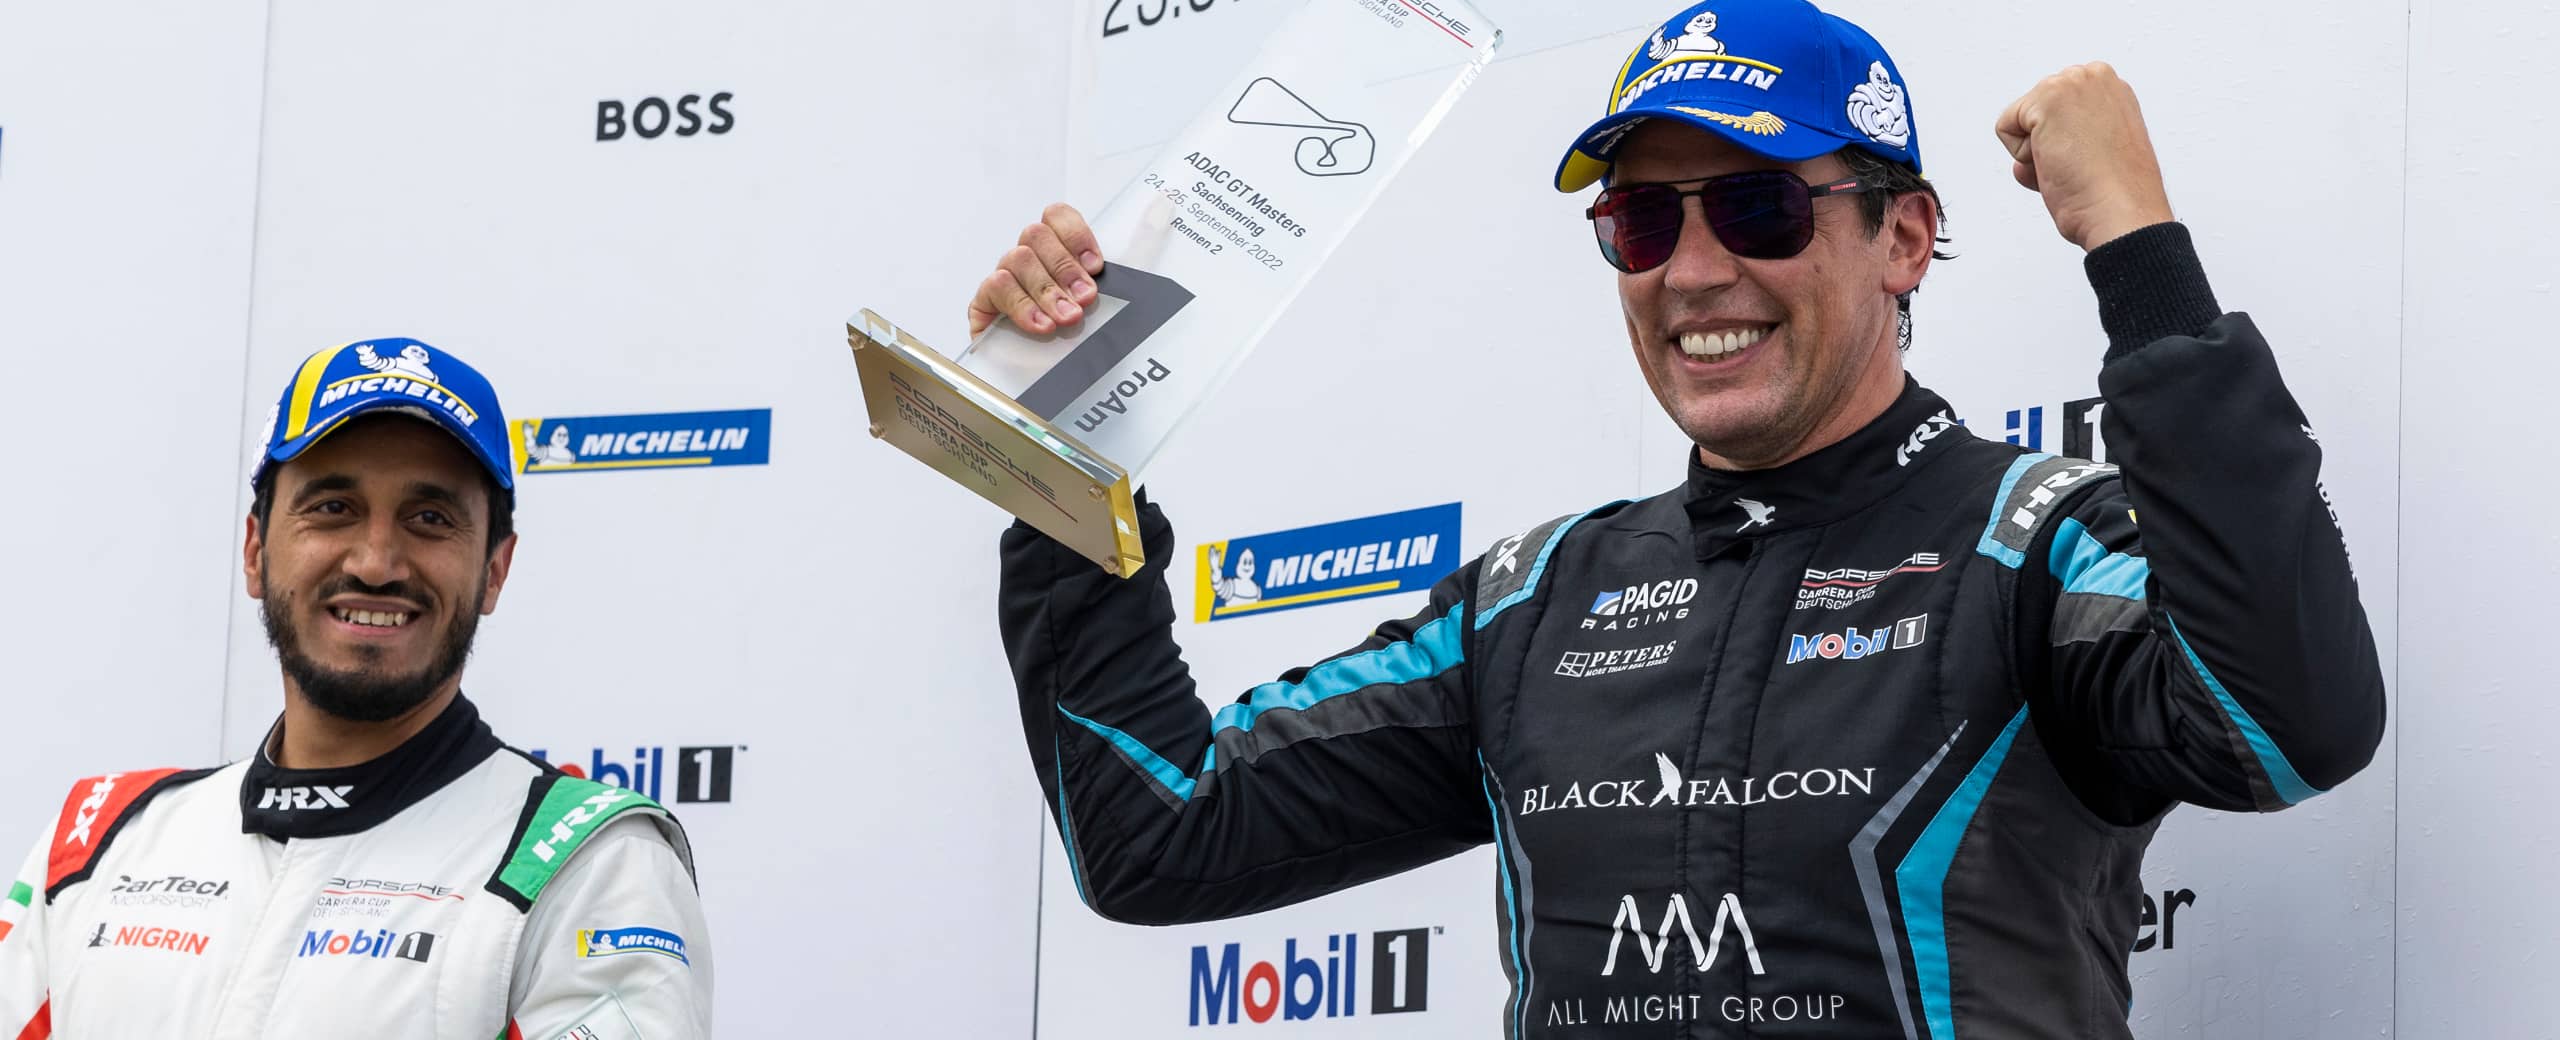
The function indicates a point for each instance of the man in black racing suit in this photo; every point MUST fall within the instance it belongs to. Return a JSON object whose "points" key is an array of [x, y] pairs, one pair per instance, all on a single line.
{"points": [[1861, 732]]}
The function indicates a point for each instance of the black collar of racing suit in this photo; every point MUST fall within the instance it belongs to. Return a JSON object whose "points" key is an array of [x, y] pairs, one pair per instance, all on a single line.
{"points": [[1729, 508], [286, 803]]}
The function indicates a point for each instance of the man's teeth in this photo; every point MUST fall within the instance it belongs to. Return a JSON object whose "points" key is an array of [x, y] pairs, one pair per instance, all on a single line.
{"points": [[1715, 345], [372, 618]]}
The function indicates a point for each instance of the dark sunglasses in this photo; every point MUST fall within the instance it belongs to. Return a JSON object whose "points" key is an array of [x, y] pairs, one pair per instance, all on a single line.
{"points": [[1760, 214]]}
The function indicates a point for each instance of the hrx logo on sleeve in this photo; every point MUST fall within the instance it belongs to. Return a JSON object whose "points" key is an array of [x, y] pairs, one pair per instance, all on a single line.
{"points": [[89, 807], [573, 824]]}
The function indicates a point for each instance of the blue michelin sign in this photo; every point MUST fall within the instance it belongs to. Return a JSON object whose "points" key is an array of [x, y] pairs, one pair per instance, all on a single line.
{"points": [[1327, 563], [664, 440]]}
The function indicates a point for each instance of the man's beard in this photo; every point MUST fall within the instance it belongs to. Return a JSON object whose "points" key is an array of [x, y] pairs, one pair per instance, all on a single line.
{"points": [[367, 695]]}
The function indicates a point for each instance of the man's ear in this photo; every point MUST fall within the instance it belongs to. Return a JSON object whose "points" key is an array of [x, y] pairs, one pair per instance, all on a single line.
{"points": [[1911, 225], [500, 560], [253, 552]]}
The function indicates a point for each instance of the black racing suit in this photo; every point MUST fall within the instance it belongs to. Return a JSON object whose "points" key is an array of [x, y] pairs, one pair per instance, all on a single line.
{"points": [[1869, 744]]}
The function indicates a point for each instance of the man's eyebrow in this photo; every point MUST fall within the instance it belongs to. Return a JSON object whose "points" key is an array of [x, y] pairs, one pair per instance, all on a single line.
{"points": [[429, 491], [322, 485]]}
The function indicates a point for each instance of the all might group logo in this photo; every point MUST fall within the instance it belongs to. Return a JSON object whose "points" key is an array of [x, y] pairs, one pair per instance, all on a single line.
{"points": [[1326, 563]]}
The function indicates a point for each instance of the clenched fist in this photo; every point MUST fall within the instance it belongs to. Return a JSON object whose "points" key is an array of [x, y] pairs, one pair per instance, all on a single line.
{"points": [[2079, 140]]}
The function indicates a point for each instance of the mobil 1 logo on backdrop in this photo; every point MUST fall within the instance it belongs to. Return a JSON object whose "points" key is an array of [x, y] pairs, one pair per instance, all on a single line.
{"points": [[702, 774], [2082, 434], [652, 117], [1313, 979]]}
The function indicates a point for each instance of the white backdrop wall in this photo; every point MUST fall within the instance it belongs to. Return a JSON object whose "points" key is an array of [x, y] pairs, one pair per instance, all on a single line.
{"points": [[192, 196], [2477, 839], [128, 173]]}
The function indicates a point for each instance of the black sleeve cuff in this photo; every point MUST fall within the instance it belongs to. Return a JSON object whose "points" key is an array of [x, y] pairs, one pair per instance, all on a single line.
{"points": [[2150, 286]]}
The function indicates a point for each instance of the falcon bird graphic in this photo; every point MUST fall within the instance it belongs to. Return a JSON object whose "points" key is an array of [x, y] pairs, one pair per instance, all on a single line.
{"points": [[1670, 782], [1761, 514]]}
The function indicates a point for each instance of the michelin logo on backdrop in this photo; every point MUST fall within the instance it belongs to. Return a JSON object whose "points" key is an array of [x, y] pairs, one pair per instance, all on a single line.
{"points": [[1327, 563], [658, 441]]}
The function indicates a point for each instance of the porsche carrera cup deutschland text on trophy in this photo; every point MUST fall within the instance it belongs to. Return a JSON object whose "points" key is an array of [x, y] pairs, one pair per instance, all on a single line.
{"points": [[1202, 253]]}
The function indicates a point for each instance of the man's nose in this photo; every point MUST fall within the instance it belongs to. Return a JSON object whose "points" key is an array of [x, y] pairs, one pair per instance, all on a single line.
{"points": [[381, 556], [1699, 263]]}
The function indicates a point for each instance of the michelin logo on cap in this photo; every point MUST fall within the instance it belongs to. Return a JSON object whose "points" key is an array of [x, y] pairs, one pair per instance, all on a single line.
{"points": [[1876, 108], [392, 374], [410, 362], [1694, 54], [1781, 78], [668, 440], [1698, 39], [402, 373]]}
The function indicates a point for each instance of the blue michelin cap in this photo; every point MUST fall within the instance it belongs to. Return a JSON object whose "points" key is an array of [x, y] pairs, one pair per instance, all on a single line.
{"points": [[1778, 77], [387, 375]]}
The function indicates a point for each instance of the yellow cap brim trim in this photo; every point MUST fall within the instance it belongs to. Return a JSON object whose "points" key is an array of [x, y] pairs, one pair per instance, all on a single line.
{"points": [[1580, 171], [306, 389]]}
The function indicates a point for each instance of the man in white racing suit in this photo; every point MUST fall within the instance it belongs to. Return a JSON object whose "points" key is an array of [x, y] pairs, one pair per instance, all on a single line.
{"points": [[384, 865]]}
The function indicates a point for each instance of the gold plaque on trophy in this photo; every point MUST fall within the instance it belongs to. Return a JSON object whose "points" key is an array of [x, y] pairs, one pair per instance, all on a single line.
{"points": [[931, 408]]}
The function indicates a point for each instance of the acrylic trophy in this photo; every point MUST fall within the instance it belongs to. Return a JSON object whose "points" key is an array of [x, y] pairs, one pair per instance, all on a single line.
{"points": [[1202, 253]]}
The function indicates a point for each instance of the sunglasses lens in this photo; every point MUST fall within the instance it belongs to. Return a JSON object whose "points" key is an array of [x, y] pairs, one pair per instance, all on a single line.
{"points": [[1638, 226], [1758, 215], [1761, 216]]}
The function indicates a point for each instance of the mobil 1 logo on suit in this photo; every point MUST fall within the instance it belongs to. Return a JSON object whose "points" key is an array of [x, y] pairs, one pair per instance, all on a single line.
{"points": [[1853, 643], [367, 944]]}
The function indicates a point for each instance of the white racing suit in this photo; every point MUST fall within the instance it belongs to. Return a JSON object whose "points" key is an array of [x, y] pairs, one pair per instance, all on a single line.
{"points": [[454, 888]]}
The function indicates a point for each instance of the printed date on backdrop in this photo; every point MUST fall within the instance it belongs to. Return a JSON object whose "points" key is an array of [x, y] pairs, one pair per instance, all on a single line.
{"points": [[1148, 12]]}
